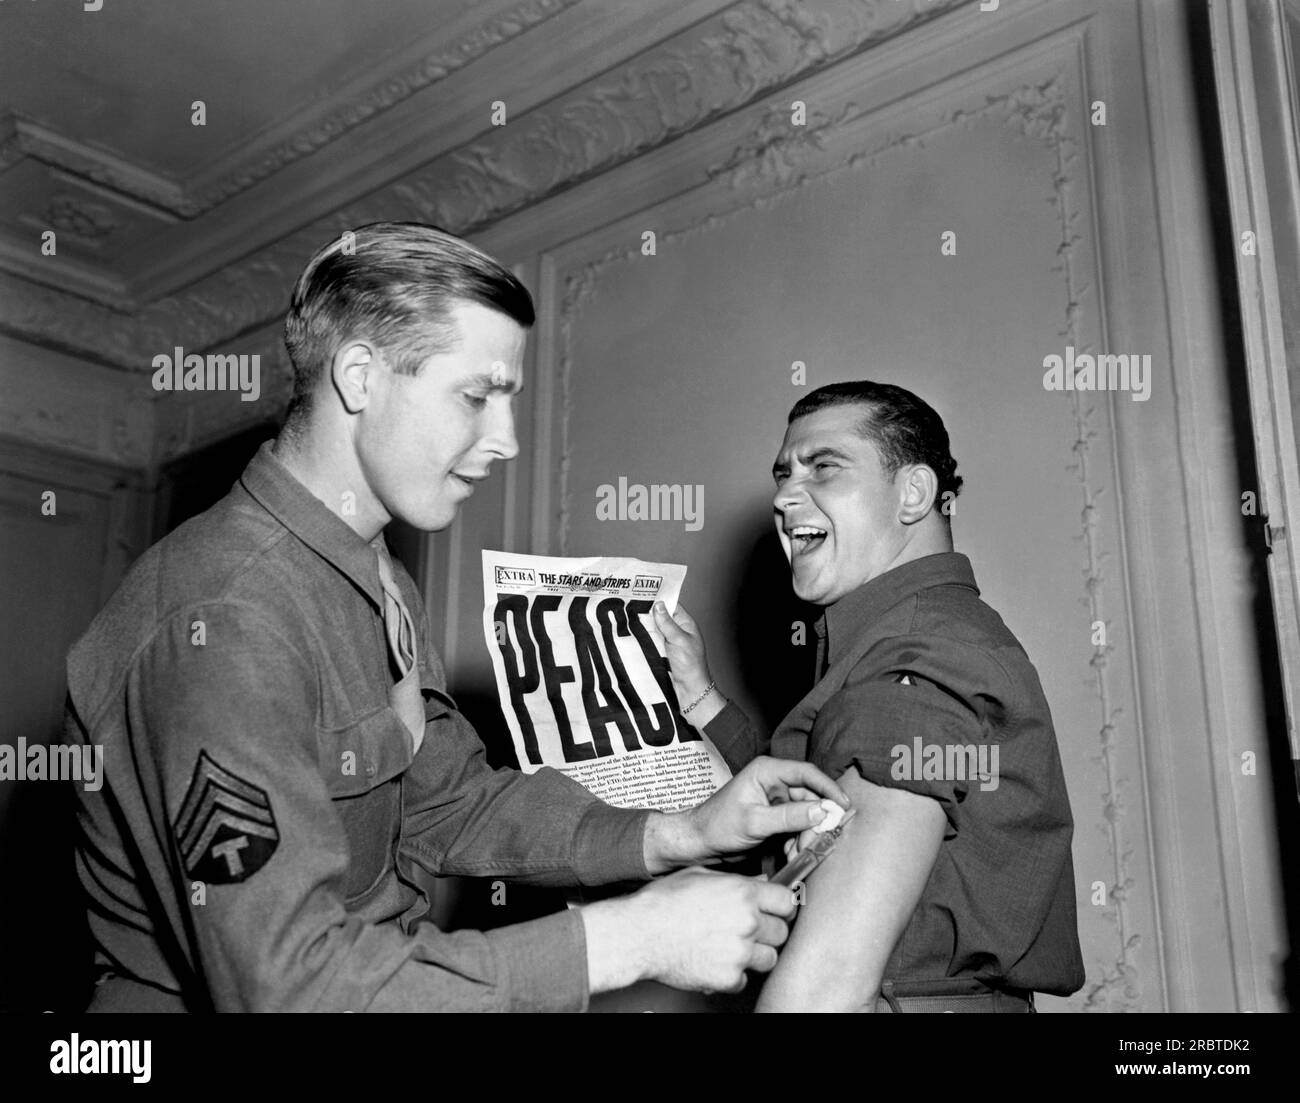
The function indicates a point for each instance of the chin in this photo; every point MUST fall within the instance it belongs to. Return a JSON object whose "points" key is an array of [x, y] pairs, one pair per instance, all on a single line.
{"points": [[805, 593], [433, 518], [815, 594], [439, 521]]}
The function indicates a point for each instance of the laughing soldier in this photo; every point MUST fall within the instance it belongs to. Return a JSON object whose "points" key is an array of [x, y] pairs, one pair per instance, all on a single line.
{"points": [[949, 891], [280, 748]]}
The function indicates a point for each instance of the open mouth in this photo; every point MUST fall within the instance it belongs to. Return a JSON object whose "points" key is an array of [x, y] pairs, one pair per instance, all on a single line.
{"points": [[805, 538]]}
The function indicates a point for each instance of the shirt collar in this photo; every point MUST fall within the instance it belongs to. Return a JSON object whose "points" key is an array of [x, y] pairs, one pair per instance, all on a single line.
{"points": [[313, 522], [848, 619]]}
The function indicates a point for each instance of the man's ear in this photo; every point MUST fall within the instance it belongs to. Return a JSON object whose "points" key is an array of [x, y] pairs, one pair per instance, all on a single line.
{"points": [[352, 374], [918, 485]]}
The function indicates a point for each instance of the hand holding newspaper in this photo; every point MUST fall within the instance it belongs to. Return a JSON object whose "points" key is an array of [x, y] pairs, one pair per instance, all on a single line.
{"points": [[583, 680]]}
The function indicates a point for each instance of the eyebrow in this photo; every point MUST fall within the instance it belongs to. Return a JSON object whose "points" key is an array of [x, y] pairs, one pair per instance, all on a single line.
{"points": [[485, 381], [823, 452]]}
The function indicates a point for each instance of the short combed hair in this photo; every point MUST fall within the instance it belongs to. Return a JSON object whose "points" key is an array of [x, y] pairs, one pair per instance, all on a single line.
{"points": [[904, 428], [393, 283]]}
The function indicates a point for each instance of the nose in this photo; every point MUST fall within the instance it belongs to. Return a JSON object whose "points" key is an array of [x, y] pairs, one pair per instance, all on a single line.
{"points": [[789, 494], [500, 438]]}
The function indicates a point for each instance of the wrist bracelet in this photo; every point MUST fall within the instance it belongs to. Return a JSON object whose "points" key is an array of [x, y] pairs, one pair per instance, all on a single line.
{"points": [[711, 687]]}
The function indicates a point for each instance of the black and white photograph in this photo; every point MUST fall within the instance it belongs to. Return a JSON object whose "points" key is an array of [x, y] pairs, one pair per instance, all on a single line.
{"points": [[674, 506]]}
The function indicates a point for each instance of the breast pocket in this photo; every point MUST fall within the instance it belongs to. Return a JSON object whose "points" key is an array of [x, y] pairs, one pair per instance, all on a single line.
{"points": [[362, 765]]}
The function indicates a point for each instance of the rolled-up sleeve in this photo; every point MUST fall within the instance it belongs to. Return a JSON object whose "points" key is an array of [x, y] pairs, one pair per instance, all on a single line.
{"points": [[736, 737], [222, 732], [906, 719]]}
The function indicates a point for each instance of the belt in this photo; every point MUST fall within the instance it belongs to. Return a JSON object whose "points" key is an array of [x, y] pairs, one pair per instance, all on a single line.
{"points": [[955, 995]]}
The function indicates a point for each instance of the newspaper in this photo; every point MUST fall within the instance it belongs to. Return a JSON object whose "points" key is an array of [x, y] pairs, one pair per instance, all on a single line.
{"points": [[584, 682]]}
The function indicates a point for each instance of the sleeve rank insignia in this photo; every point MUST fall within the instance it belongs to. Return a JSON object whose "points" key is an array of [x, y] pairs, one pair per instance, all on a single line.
{"points": [[225, 828]]}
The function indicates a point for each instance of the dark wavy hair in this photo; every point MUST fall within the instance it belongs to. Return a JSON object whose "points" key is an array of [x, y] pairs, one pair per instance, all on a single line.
{"points": [[904, 428], [393, 283]]}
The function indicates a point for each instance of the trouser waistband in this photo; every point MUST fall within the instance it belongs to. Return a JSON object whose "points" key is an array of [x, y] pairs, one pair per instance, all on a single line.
{"points": [[959, 995]]}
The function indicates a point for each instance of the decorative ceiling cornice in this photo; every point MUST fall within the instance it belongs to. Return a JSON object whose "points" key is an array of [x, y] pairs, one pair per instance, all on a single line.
{"points": [[718, 66], [21, 138], [257, 161], [379, 98], [62, 321]]}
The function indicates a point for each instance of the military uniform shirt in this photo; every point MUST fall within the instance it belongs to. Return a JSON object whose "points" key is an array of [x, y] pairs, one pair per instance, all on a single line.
{"points": [[923, 681], [252, 847]]}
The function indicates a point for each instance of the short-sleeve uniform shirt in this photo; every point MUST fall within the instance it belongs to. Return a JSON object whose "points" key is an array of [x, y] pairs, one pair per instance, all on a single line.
{"points": [[926, 689]]}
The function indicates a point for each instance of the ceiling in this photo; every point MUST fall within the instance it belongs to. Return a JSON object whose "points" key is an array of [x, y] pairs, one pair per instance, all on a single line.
{"points": [[323, 115], [123, 78], [98, 141]]}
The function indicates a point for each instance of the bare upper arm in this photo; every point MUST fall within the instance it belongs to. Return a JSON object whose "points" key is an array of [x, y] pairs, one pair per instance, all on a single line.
{"points": [[858, 902]]}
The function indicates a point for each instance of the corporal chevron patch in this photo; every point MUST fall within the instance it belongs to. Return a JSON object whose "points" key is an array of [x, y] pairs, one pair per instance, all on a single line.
{"points": [[225, 827]]}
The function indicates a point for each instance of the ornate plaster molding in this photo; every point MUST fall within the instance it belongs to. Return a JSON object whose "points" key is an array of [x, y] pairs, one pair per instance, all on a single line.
{"points": [[774, 161], [24, 138], [58, 320], [391, 91], [80, 218], [699, 75]]}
